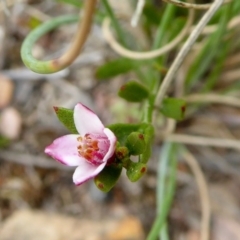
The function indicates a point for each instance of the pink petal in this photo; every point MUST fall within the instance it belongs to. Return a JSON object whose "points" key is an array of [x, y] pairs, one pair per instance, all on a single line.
{"points": [[64, 150], [112, 138], [86, 171], [86, 121]]}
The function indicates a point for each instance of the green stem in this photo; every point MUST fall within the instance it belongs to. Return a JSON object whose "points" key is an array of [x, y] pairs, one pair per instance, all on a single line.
{"points": [[164, 232], [115, 23], [165, 189], [220, 56], [161, 31], [26, 50]]}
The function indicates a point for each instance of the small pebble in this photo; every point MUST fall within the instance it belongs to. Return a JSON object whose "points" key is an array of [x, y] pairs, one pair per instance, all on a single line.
{"points": [[6, 91], [10, 123]]}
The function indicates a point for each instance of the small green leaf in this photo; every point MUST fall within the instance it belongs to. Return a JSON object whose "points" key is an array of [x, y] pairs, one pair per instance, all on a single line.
{"points": [[122, 130], [133, 92], [114, 68], [173, 108], [65, 116], [136, 143], [107, 178], [135, 171]]}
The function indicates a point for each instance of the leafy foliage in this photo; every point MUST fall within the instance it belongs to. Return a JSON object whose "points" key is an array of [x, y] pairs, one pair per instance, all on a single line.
{"points": [[114, 68], [133, 92], [107, 178], [173, 108], [65, 116]]}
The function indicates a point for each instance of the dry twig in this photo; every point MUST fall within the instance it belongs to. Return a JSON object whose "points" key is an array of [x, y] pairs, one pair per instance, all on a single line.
{"points": [[184, 51], [81, 35], [203, 141], [204, 194], [137, 13], [192, 5], [213, 98], [144, 55]]}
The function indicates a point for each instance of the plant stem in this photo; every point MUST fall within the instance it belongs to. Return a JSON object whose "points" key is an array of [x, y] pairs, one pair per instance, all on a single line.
{"points": [[68, 57], [184, 51], [165, 189], [114, 21]]}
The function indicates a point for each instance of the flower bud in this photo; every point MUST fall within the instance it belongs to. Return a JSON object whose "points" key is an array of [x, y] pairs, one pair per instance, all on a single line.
{"points": [[121, 152], [135, 171], [136, 143]]}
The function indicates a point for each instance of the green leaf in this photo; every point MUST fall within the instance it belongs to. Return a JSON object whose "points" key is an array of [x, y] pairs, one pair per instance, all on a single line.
{"points": [[115, 68], [135, 171], [107, 178], [122, 130], [133, 92], [65, 116], [173, 108]]}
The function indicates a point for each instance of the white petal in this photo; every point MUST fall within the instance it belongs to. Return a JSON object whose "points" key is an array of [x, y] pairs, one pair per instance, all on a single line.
{"points": [[86, 171], [64, 150], [86, 121], [112, 138]]}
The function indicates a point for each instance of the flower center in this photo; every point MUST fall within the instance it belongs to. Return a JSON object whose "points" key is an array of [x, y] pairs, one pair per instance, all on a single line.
{"points": [[93, 147]]}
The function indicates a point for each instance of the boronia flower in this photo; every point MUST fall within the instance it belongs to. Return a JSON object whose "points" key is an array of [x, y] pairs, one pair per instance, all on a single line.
{"points": [[90, 150]]}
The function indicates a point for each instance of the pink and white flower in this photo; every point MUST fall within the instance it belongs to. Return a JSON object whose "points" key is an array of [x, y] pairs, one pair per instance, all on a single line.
{"points": [[89, 150]]}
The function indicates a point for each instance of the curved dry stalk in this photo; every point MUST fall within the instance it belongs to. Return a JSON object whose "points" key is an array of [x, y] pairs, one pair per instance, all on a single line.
{"points": [[192, 5], [184, 51], [144, 55], [229, 77], [203, 141], [55, 65], [138, 12], [81, 36], [213, 98], [204, 194], [212, 28]]}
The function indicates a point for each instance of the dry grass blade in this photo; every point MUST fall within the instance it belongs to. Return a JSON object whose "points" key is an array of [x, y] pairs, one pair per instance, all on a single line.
{"points": [[204, 141], [212, 28], [192, 5], [232, 61], [184, 51], [204, 194], [80, 37], [144, 55], [137, 13], [230, 76], [213, 98]]}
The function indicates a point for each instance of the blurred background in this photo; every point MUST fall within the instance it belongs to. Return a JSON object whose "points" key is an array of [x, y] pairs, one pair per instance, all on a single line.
{"points": [[38, 199]]}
